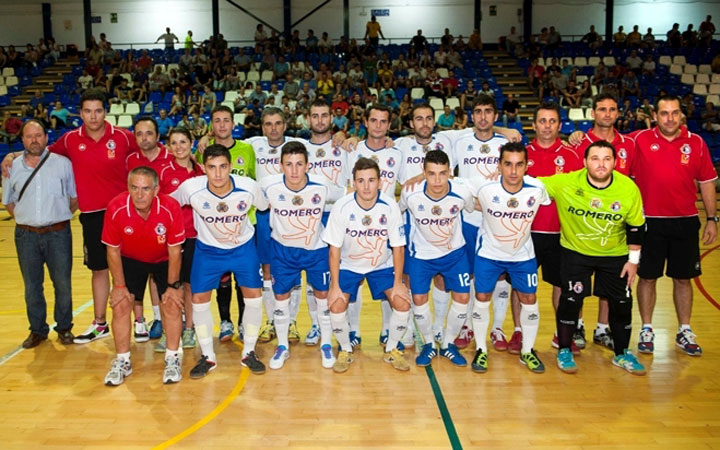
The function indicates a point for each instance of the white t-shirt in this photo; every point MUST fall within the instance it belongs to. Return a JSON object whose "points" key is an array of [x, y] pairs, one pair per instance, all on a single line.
{"points": [[221, 222], [436, 225], [389, 160], [507, 218], [296, 216], [267, 157], [365, 236], [329, 162]]}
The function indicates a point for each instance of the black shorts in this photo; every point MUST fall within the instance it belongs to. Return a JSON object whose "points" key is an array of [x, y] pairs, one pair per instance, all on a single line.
{"points": [[95, 254], [136, 276], [675, 240], [547, 254], [576, 271], [187, 257]]}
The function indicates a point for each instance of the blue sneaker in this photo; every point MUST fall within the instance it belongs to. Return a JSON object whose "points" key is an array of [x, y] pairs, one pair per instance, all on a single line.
{"points": [[427, 353], [355, 340], [453, 354], [156, 329], [646, 344], [384, 338], [629, 362], [566, 362], [226, 331]]}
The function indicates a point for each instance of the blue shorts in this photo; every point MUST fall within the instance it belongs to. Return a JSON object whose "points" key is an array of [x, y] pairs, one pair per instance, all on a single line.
{"points": [[287, 263], [210, 263], [523, 274], [470, 233], [379, 281], [262, 236], [453, 267]]}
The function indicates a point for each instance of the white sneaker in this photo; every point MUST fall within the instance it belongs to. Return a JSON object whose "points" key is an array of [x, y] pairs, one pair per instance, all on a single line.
{"points": [[278, 359], [119, 370], [173, 370], [142, 334], [313, 336], [328, 359]]}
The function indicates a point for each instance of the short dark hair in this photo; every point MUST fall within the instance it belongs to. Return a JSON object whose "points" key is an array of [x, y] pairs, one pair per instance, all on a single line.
{"points": [[271, 111], [182, 131], [364, 164], [293, 148], [92, 94], [214, 151], [436, 157], [484, 100], [36, 122], [666, 98], [147, 119], [423, 105], [221, 108], [601, 144], [319, 103], [547, 105], [146, 171], [513, 147], [603, 96], [379, 107]]}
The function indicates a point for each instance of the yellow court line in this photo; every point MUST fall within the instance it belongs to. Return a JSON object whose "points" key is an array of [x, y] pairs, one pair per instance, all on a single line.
{"points": [[244, 374]]}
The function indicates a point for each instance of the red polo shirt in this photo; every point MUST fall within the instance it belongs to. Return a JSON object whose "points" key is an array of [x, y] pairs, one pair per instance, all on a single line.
{"points": [[137, 159], [624, 145], [171, 177], [98, 166], [545, 162], [666, 172], [144, 240]]}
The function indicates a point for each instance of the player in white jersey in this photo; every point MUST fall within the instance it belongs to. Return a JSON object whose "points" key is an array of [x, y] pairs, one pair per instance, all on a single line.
{"points": [[297, 203], [508, 206], [436, 247], [220, 203], [362, 229]]}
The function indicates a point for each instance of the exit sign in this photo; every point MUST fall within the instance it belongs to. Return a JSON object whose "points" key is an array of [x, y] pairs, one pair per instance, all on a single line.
{"points": [[380, 12]]}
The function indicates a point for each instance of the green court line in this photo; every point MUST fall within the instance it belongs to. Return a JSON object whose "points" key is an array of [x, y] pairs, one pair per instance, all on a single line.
{"points": [[444, 412]]}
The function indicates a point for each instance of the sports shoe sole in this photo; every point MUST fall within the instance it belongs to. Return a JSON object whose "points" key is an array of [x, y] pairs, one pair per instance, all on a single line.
{"points": [[273, 364], [633, 372], [682, 348], [77, 339], [538, 371]]}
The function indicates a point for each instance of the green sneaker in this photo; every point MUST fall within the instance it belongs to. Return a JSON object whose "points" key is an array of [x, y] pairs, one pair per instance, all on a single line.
{"points": [[188, 338], [566, 362], [629, 362], [480, 362], [161, 346], [532, 362]]}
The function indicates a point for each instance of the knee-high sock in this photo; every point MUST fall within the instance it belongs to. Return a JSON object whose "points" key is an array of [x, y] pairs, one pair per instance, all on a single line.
{"points": [[470, 306], [281, 318], [323, 314], [312, 304], [252, 318], [500, 302], [295, 297], [455, 319], [341, 330], [480, 322], [424, 321], [268, 298], [529, 322], [441, 301], [386, 314], [398, 327], [204, 328], [353, 312]]}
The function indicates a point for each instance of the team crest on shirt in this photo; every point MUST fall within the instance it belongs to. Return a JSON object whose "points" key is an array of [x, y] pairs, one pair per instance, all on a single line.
{"points": [[222, 207], [272, 151], [560, 161], [206, 205], [531, 202], [615, 206], [436, 210], [530, 163], [242, 206], [485, 149], [685, 149], [454, 209], [297, 200], [320, 153], [128, 230], [622, 154], [578, 287], [439, 146], [240, 161], [391, 162], [160, 231], [684, 159], [111, 145], [496, 199], [655, 147], [383, 220], [367, 220], [596, 203], [174, 182], [336, 151], [512, 203], [82, 147], [316, 199]]}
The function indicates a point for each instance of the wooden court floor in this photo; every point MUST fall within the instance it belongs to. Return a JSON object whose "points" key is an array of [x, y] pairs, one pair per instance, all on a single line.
{"points": [[53, 396]]}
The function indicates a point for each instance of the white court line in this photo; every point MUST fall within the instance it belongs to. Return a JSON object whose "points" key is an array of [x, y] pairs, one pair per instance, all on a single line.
{"points": [[10, 355]]}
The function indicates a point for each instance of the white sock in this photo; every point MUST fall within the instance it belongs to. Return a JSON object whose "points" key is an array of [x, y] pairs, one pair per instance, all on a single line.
{"points": [[480, 322], [124, 356], [683, 327], [386, 313], [268, 298], [441, 301], [170, 353], [581, 323], [295, 298], [530, 322], [341, 330], [602, 326], [281, 318], [500, 302], [202, 317], [252, 318], [353, 312], [312, 305], [398, 327], [424, 322], [156, 312], [455, 319], [323, 314], [647, 325]]}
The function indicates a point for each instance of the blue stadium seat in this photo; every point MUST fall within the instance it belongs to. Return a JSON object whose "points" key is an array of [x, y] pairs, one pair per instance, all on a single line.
{"points": [[567, 127], [584, 125]]}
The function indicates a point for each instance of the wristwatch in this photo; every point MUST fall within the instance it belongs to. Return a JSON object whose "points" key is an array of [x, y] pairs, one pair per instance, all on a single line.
{"points": [[176, 285], [715, 219]]}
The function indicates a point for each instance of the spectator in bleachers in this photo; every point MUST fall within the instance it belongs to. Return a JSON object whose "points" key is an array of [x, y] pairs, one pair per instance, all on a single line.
{"points": [[311, 42], [674, 37], [634, 62], [715, 64], [626, 119], [475, 41], [226, 60], [358, 130], [209, 100], [418, 43], [461, 119], [164, 124], [194, 102], [396, 126], [10, 128], [95, 55], [386, 75], [200, 59], [634, 38], [390, 101], [553, 67], [31, 56], [446, 120], [535, 72], [630, 85], [276, 95], [258, 95], [59, 116], [169, 38], [13, 57], [339, 121], [219, 79], [620, 38], [543, 37], [37, 99], [586, 94], [185, 63], [512, 40], [486, 89], [546, 86], [340, 75], [687, 105], [710, 118], [468, 96], [648, 66], [123, 93], [3, 58], [454, 59], [440, 58], [510, 108], [370, 69], [707, 29], [178, 102], [189, 43], [145, 61], [325, 44], [447, 39], [649, 39], [185, 123], [592, 39], [568, 70], [373, 32], [101, 80], [252, 125], [689, 37], [199, 126], [306, 91], [280, 68], [601, 74], [158, 80], [425, 60], [554, 39], [572, 95], [644, 113], [260, 34], [559, 83], [433, 84], [460, 44], [40, 113], [450, 84]]}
